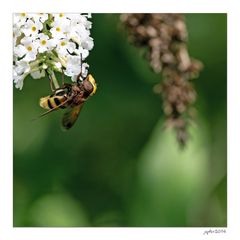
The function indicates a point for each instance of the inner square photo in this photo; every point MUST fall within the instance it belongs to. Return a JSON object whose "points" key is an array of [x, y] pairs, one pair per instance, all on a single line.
{"points": [[119, 120]]}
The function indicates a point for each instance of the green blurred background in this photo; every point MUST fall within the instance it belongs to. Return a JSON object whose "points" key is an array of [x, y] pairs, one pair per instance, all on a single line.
{"points": [[117, 166]]}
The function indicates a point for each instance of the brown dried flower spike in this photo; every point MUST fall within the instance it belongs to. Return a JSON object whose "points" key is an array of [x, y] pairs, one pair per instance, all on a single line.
{"points": [[165, 37]]}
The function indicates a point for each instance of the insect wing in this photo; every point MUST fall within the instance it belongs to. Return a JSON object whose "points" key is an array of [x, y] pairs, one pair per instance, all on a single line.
{"points": [[70, 117]]}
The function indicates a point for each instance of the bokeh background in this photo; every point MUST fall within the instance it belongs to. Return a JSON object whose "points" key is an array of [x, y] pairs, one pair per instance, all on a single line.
{"points": [[118, 166]]}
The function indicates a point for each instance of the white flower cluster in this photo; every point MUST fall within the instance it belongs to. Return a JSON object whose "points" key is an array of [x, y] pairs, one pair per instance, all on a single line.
{"points": [[48, 43]]}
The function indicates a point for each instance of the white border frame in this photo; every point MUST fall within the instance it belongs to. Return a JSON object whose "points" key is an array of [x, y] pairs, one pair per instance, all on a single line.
{"points": [[7, 232]]}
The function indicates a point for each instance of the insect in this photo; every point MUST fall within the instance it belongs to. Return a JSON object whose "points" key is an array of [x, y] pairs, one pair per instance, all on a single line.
{"points": [[71, 96]]}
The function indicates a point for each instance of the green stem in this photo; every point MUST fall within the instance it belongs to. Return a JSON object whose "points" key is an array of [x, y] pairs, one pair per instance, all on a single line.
{"points": [[55, 82]]}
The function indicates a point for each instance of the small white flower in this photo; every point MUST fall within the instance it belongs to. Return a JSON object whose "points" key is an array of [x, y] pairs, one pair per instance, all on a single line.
{"points": [[22, 67], [43, 42], [60, 16], [16, 33], [73, 16], [52, 43], [19, 19], [28, 49], [64, 47], [18, 80], [20, 51], [82, 52], [20, 71], [82, 36], [88, 43], [81, 20], [73, 65], [59, 28], [39, 17], [81, 31], [32, 28]]}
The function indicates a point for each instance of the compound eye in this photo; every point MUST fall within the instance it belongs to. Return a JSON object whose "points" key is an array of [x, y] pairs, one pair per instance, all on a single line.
{"points": [[88, 86]]}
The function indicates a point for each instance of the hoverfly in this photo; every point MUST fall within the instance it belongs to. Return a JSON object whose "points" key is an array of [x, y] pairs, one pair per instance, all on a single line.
{"points": [[71, 96]]}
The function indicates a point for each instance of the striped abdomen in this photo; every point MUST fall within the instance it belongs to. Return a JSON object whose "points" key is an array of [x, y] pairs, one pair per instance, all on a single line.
{"points": [[54, 100]]}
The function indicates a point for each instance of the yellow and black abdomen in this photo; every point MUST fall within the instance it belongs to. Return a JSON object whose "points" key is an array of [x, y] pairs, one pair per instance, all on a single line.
{"points": [[52, 101]]}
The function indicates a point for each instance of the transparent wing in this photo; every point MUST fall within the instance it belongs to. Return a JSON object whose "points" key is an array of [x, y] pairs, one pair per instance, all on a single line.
{"points": [[70, 117]]}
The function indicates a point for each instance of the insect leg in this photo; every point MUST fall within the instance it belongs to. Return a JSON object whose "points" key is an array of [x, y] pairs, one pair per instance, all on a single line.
{"points": [[79, 77], [51, 82], [62, 78]]}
